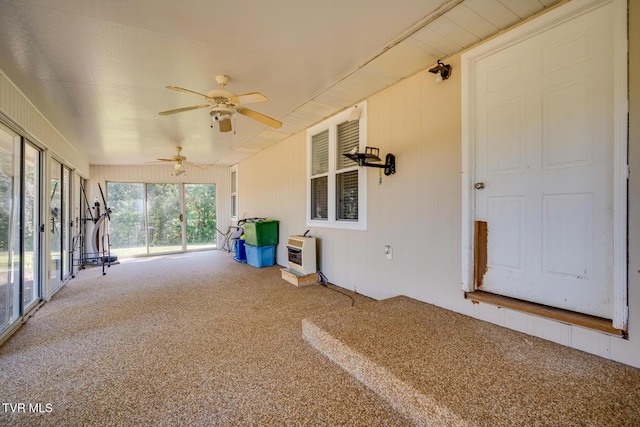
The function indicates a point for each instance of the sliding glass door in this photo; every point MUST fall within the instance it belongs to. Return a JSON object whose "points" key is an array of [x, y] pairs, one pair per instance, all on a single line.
{"points": [[9, 228], [59, 225], [200, 216], [32, 291], [55, 225], [66, 222], [161, 218], [127, 228], [20, 225], [164, 213]]}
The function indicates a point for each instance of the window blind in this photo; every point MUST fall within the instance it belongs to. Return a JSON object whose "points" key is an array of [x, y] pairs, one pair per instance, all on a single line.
{"points": [[320, 153], [320, 198], [347, 192], [348, 139]]}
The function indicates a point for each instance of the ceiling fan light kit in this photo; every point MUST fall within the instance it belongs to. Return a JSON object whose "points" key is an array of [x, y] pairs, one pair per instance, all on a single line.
{"points": [[225, 105], [179, 160]]}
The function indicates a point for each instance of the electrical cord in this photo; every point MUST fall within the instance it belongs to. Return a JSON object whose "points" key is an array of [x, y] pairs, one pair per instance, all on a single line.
{"points": [[322, 279]]}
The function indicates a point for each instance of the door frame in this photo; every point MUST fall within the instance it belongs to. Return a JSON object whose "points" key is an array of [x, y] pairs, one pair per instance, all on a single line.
{"points": [[528, 29], [39, 253]]}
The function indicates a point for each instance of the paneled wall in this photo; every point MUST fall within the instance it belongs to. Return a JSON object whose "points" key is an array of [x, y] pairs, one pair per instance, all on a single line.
{"points": [[272, 185], [417, 211], [218, 175], [22, 114]]}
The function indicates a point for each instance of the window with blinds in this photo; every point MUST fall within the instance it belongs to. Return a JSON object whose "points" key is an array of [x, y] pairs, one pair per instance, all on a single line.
{"points": [[319, 175], [347, 193], [336, 185], [320, 198], [320, 147], [234, 191], [348, 139]]}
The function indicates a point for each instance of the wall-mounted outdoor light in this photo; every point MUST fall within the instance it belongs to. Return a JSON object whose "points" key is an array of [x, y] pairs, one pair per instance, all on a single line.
{"points": [[442, 71], [371, 154]]}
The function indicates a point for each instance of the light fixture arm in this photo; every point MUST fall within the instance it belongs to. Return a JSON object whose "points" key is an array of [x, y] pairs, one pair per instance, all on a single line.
{"points": [[371, 153]]}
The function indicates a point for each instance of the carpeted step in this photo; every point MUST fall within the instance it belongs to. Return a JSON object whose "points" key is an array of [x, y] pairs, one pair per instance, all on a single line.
{"points": [[403, 397], [438, 367]]}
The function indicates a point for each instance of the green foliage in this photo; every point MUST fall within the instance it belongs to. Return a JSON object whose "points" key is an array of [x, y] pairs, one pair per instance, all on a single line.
{"points": [[162, 203], [127, 226], [200, 212]]}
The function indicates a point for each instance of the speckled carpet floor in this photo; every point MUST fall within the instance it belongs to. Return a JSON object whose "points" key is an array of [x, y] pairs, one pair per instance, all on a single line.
{"points": [[200, 340], [441, 368], [187, 340]]}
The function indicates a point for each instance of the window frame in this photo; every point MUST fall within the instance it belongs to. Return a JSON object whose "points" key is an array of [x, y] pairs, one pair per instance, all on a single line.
{"points": [[331, 125], [233, 195]]}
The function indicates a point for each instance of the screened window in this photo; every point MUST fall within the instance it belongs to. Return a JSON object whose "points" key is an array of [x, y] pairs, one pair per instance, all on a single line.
{"points": [[336, 185]]}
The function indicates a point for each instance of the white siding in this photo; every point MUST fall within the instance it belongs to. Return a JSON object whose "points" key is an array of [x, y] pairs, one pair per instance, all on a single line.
{"points": [[21, 113], [272, 184], [418, 210]]}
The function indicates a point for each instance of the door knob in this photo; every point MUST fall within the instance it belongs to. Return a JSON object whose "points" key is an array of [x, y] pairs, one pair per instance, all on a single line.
{"points": [[479, 185]]}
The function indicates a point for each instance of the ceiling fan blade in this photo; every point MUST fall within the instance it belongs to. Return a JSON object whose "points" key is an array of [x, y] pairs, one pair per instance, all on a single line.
{"points": [[248, 98], [160, 161], [198, 165], [180, 110], [225, 125], [259, 117], [181, 89]]}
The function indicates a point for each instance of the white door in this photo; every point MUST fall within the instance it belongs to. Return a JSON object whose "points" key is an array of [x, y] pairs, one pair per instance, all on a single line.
{"points": [[544, 148]]}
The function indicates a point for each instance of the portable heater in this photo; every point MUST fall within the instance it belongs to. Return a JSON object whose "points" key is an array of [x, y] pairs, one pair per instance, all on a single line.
{"points": [[302, 254]]}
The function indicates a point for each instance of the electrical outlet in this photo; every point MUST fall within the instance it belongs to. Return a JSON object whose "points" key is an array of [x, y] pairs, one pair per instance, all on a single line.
{"points": [[388, 251]]}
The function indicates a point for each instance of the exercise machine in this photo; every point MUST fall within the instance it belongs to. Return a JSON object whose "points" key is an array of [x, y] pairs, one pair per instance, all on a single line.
{"points": [[99, 251]]}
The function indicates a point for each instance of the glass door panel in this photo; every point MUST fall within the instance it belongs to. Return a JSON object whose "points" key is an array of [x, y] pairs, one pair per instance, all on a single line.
{"points": [[66, 225], [55, 226], [9, 228], [164, 218], [127, 225], [31, 269], [200, 215]]}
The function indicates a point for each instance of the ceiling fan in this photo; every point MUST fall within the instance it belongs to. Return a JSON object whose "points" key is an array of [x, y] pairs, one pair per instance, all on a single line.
{"points": [[179, 160], [225, 104]]}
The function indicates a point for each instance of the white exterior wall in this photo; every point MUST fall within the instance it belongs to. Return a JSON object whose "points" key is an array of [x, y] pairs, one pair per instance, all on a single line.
{"points": [[21, 113], [418, 210]]}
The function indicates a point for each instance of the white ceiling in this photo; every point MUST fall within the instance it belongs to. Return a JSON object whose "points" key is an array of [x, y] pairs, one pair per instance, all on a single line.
{"points": [[97, 69]]}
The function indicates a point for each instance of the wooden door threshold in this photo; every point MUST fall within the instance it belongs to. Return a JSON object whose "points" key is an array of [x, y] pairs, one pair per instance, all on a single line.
{"points": [[565, 316]]}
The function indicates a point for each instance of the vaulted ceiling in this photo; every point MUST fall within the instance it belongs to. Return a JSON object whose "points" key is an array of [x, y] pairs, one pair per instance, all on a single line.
{"points": [[98, 69]]}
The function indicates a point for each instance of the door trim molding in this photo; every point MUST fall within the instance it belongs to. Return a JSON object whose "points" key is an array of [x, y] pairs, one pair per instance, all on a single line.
{"points": [[565, 316], [529, 29]]}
